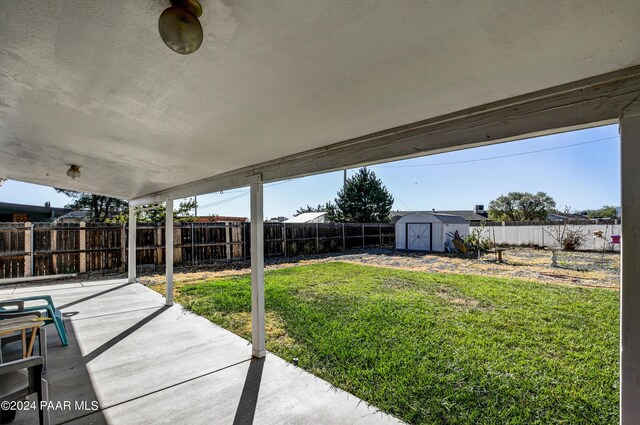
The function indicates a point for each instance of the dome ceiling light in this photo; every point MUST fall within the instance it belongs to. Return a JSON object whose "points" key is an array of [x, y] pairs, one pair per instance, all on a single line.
{"points": [[179, 26], [73, 172]]}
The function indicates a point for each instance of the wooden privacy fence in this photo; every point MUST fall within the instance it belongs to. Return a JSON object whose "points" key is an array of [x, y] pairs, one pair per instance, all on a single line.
{"points": [[41, 249], [282, 239]]}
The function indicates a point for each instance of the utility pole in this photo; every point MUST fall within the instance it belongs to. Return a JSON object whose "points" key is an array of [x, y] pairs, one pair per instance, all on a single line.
{"points": [[195, 214], [344, 184]]}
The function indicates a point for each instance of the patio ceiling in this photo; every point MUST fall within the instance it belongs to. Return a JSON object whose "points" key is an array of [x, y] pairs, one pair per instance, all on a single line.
{"points": [[89, 82]]}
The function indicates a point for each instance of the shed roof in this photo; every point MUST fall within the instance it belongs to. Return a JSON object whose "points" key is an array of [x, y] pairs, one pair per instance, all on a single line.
{"points": [[443, 218]]}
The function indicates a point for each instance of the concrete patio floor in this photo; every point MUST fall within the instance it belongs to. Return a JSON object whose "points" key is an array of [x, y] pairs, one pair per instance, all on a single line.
{"points": [[144, 363]]}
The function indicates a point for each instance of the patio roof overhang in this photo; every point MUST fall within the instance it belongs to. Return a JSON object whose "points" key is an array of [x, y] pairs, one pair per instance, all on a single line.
{"points": [[289, 89]]}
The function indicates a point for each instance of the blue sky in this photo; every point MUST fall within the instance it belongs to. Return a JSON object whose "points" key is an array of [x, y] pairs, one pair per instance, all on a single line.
{"points": [[579, 169]]}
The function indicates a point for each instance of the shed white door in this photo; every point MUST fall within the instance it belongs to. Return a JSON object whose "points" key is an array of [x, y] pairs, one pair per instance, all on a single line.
{"points": [[419, 237]]}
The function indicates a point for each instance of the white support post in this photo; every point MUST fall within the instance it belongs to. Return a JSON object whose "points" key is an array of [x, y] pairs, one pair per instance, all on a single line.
{"points": [[168, 251], [257, 271], [630, 280], [131, 262]]}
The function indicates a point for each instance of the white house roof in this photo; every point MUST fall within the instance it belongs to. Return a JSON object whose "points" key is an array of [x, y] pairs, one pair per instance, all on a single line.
{"points": [[305, 217], [90, 82]]}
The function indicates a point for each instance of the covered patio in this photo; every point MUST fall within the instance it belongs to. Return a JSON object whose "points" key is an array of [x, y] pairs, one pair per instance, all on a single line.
{"points": [[146, 363], [280, 90]]}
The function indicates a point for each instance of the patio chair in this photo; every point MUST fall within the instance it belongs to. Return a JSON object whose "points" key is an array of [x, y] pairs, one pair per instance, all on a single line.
{"points": [[49, 308], [19, 379], [18, 311]]}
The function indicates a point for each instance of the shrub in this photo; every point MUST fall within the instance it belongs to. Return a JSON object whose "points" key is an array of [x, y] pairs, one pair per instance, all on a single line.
{"points": [[572, 240], [476, 242]]}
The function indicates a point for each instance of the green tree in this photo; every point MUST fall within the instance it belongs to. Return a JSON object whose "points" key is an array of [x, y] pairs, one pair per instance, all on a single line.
{"points": [[158, 213], [102, 208], [607, 211], [308, 208], [521, 206], [113, 210], [364, 199]]}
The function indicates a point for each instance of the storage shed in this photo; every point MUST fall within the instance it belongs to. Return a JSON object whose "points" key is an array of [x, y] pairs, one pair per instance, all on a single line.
{"points": [[427, 231]]}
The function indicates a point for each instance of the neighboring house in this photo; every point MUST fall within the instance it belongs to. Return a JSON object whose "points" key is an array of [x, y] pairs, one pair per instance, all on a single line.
{"points": [[75, 217], [33, 213], [567, 217], [279, 219], [310, 217], [220, 218], [474, 217]]}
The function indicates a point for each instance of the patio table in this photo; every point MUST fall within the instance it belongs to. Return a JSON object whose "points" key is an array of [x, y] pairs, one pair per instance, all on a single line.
{"points": [[22, 324]]}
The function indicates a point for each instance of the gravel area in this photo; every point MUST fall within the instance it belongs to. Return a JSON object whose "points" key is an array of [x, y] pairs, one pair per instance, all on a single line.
{"points": [[580, 268]]}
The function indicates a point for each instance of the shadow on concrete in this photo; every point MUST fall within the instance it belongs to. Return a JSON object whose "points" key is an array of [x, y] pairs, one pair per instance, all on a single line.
{"points": [[249, 397], [124, 334], [81, 300]]}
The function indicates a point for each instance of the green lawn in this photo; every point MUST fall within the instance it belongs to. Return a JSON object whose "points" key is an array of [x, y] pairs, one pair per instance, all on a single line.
{"points": [[437, 348]]}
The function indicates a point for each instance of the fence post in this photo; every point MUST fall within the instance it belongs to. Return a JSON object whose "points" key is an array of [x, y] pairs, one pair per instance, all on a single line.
{"points": [[344, 239], [363, 236], [177, 243], [380, 233], [123, 244], [53, 246], [284, 238], [83, 247], [159, 244], [28, 248], [227, 236], [193, 250], [244, 241], [317, 238]]}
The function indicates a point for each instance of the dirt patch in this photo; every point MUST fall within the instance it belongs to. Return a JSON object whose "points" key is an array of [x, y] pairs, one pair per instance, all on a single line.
{"points": [[456, 299], [464, 302], [589, 269]]}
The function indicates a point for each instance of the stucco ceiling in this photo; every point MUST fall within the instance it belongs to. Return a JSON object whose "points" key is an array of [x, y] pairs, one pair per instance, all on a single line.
{"points": [[90, 82]]}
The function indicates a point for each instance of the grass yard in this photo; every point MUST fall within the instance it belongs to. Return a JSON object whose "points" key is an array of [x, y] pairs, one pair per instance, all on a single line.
{"points": [[437, 348]]}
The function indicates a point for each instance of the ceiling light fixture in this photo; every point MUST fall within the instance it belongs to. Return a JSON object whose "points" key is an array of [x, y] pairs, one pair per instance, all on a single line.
{"points": [[179, 26], [73, 172]]}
